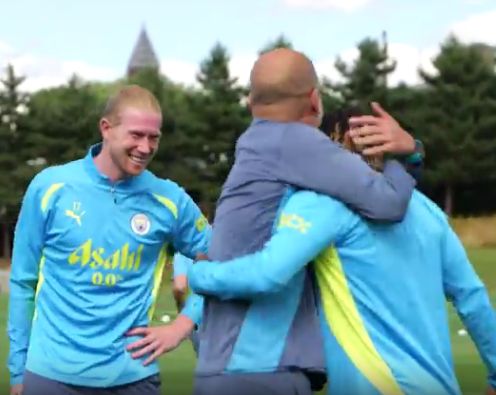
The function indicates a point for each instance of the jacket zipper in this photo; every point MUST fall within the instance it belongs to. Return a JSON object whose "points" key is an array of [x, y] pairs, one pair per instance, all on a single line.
{"points": [[112, 192]]}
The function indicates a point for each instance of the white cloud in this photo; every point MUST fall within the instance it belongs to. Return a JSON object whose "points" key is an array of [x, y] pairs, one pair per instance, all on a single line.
{"points": [[477, 28], [88, 72], [4, 48], [408, 60], [45, 72], [326, 68], [185, 72], [179, 71], [240, 67], [41, 72], [344, 5]]}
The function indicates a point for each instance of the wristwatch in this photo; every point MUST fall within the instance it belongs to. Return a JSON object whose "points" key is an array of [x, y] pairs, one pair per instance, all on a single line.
{"points": [[418, 155]]}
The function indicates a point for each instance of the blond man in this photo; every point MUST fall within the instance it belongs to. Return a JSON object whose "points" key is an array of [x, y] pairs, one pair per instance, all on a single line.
{"points": [[89, 249]]}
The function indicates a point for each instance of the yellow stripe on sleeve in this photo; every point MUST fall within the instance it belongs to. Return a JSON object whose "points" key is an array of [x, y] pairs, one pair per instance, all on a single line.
{"points": [[41, 279], [48, 194], [167, 203]]}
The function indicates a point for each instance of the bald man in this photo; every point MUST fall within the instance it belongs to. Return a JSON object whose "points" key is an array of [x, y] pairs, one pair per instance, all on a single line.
{"points": [[274, 345]]}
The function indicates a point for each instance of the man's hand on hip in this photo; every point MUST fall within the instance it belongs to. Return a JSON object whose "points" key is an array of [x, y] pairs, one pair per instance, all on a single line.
{"points": [[157, 340], [16, 389]]}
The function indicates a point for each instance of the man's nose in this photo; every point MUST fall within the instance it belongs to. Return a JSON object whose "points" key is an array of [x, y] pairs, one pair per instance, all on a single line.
{"points": [[144, 147]]}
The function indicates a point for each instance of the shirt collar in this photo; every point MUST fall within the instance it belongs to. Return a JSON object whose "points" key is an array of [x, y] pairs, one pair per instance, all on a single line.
{"points": [[101, 179]]}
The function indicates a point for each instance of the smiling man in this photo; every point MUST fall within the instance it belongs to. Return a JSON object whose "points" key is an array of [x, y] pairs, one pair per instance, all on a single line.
{"points": [[91, 242]]}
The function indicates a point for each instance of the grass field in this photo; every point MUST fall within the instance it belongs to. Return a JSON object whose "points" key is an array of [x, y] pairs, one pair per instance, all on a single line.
{"points": [[177, 367]]}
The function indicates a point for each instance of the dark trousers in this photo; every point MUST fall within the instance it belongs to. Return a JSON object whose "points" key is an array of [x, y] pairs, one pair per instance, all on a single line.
{"points": [[38, 385], [277, 383]]}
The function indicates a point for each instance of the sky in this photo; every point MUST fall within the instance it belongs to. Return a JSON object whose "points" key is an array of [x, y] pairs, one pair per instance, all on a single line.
{"points": [[48, 41]]}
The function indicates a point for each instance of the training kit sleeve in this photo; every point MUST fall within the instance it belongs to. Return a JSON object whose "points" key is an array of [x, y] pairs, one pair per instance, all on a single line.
{"points": [[191, 238], [471, 300], [192, 234], [310, 160], [180, 265], [308, 223], [26, 261]]}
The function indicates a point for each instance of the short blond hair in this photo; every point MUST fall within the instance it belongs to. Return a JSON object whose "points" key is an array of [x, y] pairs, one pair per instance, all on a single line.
{"points": [[130, 96]]}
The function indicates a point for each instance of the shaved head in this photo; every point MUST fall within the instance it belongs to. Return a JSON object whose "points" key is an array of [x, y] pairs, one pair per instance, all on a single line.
{"points": [[279, 75]]}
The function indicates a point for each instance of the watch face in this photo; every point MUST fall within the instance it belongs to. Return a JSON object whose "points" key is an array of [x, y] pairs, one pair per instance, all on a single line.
{"points": [[419, 148]]}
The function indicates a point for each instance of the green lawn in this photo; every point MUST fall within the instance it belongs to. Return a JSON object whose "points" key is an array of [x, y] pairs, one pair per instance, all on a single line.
{"points": [[469, 368], [177, 367]]}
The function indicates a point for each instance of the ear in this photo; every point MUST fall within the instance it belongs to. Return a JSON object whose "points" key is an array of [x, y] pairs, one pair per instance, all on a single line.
{"points": [[105, 127], [348, 143], [315, 101], [248, 101]]}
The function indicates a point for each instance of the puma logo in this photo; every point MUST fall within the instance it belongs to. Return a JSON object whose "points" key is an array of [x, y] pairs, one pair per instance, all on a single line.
{"points": [[75, 213]]}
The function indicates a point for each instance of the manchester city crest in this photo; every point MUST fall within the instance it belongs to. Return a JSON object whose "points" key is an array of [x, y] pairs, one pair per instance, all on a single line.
{"points": [[140, 224]]}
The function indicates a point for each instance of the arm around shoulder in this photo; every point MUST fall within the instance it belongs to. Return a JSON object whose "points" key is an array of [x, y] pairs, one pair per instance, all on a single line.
{"points": [[310, 160]]}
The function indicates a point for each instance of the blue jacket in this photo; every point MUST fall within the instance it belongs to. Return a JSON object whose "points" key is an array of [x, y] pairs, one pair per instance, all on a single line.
{"points": [[281, 333], [382, 292], [87, 266]]}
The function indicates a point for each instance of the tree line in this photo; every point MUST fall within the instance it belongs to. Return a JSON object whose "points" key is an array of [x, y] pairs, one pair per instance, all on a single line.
{"points": [[453, 111]]}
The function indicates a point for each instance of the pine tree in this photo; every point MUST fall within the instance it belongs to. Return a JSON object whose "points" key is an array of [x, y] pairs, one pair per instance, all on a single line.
{"points": [[13, 108], [366, 79], [280, 42], [63, 123], [460, 119], [217, 120]]}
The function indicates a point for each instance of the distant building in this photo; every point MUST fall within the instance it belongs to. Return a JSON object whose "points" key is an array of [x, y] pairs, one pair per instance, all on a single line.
{"points": [[143, 55]]}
